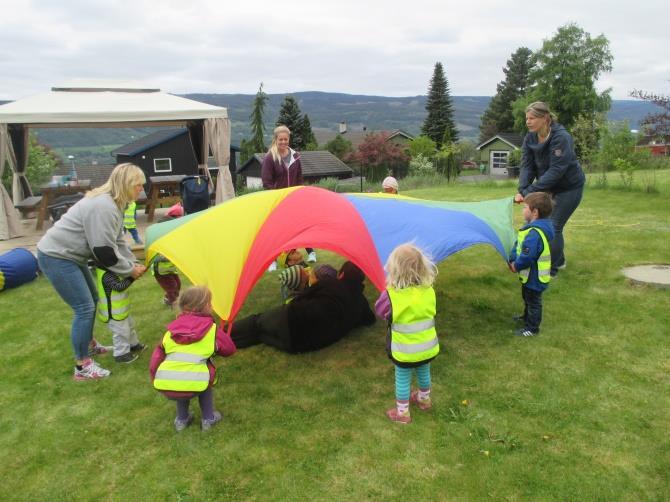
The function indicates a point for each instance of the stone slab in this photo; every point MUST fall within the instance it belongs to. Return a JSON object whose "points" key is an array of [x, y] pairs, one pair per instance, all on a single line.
{"points": [[653, 274]]}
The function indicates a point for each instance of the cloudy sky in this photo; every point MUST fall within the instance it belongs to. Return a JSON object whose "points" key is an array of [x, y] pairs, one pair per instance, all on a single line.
{"points": [[359, 47]]}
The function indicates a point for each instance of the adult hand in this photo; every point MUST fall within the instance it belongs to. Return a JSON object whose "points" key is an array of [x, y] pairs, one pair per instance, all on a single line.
{"points": [[138, 270], [518, 198]]}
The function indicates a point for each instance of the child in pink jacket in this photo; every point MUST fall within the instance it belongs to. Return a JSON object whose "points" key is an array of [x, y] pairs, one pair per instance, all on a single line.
{"points": [[181, 366]]}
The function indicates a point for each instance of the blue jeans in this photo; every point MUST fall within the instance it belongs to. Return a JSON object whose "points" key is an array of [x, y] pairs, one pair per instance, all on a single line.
{"points": [[565, 204], [74, 284]]}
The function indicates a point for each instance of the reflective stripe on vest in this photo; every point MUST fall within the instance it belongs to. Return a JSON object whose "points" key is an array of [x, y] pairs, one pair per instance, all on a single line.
{"points": [[413, 334], [115, 306], [543, 261], [185, 366], [129, 216]]}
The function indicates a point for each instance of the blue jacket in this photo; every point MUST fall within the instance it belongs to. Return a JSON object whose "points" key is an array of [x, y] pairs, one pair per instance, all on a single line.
{"points": [[531, 250], [551, 166]]}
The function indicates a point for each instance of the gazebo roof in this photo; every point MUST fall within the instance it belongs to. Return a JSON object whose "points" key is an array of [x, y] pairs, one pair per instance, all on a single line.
{"points": [[100, 102]]}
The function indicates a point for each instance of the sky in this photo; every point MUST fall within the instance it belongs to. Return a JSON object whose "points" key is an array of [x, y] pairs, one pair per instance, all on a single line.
{"points": [[356, 47]]}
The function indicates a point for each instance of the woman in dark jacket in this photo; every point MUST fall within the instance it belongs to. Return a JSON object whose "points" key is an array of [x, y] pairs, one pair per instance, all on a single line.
{"points": [[549, 164], [317, 317]]}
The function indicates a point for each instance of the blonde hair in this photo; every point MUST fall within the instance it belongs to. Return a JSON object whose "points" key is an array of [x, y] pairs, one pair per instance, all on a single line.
{"points": [[121, 184], [408, 266], [195, 299], [273, 147]]}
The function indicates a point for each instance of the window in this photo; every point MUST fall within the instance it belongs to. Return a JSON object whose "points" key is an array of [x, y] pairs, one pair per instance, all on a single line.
{"points": [[163, 165], [499, 160]]}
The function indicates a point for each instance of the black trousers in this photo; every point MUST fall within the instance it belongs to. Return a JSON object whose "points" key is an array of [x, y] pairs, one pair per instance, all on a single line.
{"points": [[532, 310], [270, 328]]}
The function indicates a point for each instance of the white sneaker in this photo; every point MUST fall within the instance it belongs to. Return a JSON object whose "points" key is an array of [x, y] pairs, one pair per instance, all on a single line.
{"points": [[311, 257], [272, 267], [90, 371]]}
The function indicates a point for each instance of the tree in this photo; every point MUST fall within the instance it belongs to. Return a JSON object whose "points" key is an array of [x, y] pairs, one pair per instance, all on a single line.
{"points": [[440, 118], [567, 68], [42, 162], [257, 144], [656, 124], [422, 145], [305, 132], [339, 147], [498, 116], [289, 115], [380, 158], [586, 132]]}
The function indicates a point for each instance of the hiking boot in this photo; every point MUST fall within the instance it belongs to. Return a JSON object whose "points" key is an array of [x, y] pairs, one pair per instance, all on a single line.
{"points": [[397, 417], [138, 347], [180, 425], [90, 371], [311, 257], [208, 423], [95, 348], [126, 358], [422, 404], [525, 332]]}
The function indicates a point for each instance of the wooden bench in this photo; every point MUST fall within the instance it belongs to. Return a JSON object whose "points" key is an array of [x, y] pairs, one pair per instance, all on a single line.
{"points": [[28, 205]]}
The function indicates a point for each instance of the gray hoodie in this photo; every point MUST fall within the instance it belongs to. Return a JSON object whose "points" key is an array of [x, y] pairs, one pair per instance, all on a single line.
{"points": [[92, 228]]}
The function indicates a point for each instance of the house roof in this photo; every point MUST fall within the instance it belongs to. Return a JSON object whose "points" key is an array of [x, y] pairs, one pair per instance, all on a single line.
{"points": [[511, 138], [146, 142], [316, 164], [356, 138], [103, 101]]}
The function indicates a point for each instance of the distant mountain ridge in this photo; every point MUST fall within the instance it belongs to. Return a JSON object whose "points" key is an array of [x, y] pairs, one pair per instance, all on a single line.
{"points": [[325, 109]]}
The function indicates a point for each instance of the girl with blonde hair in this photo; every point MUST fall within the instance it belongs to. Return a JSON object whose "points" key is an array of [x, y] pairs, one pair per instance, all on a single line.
{"points": [[281, 168], [408, 305], [91, 229], [181, 366]]}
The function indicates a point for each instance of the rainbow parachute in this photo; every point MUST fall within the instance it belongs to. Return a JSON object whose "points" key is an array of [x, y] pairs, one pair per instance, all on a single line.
{"points": [[229, 247]]}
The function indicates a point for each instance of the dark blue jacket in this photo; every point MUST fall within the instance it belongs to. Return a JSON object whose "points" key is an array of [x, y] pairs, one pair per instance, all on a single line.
{"points": [[531, 249], [552, 165]]}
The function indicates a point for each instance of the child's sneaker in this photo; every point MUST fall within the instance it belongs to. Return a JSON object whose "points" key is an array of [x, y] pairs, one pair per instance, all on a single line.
{"points": [[180, 425], [208, 423], [422, 404], [167, 302], [90, 371], [397, 417], [95, 348], [311, 257], [137, 348], [525, 332], [126, 358]]}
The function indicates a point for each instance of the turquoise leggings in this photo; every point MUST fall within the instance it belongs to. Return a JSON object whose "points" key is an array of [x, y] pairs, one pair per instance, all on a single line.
{"points": [[403, 379]]}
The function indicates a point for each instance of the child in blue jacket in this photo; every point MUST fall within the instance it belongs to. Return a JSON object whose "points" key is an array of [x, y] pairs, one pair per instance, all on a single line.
{"points": [[531, 259]]}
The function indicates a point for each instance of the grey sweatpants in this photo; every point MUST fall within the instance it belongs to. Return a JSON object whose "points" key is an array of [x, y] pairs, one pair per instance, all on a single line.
{"points": [[123, 335]]}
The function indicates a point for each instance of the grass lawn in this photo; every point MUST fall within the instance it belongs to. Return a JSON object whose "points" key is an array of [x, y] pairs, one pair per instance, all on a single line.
{"points": [[580, 412]]}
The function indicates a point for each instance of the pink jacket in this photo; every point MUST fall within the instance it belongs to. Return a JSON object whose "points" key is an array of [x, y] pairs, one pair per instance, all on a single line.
{"points": [[189, 328]]}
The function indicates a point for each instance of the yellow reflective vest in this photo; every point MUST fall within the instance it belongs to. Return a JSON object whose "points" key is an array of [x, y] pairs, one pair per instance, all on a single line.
{"points": [[129, 216], [185, 366], [543, 261], [413, 334], [115, 306]]}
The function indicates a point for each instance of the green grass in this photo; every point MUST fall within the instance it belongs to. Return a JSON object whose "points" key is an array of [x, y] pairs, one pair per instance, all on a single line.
{"points": [[581, 412]]}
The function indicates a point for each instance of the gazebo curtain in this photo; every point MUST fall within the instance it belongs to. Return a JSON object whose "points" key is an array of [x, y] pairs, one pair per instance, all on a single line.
{"points": [[10, 223], [217, 134]]}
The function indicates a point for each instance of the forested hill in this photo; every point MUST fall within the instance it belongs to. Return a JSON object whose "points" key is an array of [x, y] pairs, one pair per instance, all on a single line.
{"points": [[326, 111]]}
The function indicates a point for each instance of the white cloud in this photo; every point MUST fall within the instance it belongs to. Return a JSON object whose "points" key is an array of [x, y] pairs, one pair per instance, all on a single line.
{"points": [[378, 48]]}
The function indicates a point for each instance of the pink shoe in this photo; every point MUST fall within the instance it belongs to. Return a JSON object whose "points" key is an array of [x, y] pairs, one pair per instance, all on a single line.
{"points": [[422, 404], [397, 417], [90, 370], [96, 348]]}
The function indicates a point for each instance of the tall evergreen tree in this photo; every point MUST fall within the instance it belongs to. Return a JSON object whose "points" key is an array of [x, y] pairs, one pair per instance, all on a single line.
{"points": [[257, 125], [498, 117], [306, 133], [440, 119], [289, 115]]}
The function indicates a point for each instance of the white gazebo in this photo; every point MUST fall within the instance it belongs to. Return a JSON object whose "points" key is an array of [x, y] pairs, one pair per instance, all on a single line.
{"points": [[106, 104]]}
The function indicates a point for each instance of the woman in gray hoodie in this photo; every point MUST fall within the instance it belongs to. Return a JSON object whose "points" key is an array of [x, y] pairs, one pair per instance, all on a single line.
{"points": [[91, 229]]}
